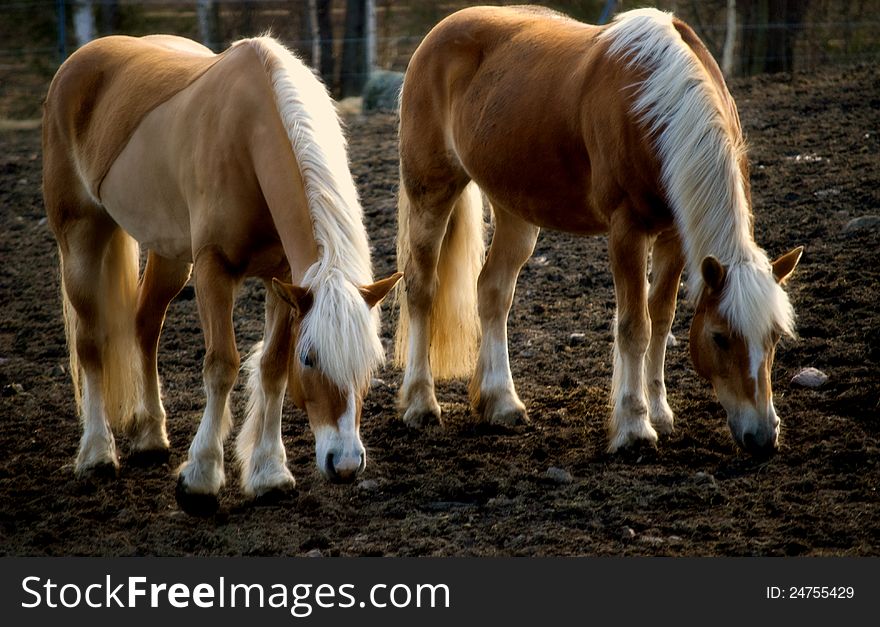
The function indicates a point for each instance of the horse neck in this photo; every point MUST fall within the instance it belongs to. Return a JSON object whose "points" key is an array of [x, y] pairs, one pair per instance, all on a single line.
{"points": [[313, 130]]}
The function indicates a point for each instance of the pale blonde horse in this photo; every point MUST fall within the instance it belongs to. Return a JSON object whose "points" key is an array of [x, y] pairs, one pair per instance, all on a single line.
{"points": [[626, 129], [223, 166]]}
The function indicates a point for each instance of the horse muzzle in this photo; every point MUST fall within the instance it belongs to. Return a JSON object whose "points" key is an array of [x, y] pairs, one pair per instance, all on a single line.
{"points": [[344, 470], [757, 437]]}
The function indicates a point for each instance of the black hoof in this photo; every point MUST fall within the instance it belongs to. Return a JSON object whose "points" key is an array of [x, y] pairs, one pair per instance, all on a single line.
{"points": [[195, 503], [148, 458], [637, 452], [100, 472], [276, 496]]}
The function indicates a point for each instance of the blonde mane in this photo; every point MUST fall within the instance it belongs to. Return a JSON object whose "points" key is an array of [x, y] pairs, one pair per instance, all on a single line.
{"points": [[340, 329], [700, 151]]}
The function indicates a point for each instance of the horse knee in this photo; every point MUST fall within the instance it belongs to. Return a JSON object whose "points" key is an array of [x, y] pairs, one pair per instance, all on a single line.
{"points": [[633, 333], [273, 373], [221, 371]]}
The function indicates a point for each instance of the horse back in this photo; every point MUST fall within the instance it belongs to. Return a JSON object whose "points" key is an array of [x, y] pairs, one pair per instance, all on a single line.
{"points": [[516, 88], [102, 92]]}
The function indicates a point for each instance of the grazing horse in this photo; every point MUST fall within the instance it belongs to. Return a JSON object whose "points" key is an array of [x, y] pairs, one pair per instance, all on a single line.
{"points": [[224, 167], [626, 129]]}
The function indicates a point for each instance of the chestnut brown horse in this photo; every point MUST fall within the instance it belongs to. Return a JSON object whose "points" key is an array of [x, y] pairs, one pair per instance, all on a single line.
{"points": [[626, 129], [224, 167]]}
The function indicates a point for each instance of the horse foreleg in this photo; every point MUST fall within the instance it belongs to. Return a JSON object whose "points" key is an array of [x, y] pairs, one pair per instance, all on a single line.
{"points": [[259, 446], [667, 264], [161, 282], [492, 392], [628, 251], [202, 476]]}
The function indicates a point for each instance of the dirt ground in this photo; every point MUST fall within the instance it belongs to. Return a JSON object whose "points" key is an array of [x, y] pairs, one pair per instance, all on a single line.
{"points": [[464, 489]]}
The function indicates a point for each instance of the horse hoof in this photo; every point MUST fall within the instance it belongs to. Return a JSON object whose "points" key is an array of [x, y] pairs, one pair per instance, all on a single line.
{"points": [[99, 472], [635, 450], [663, 427], [421, 419], [149, 457], [195, 503], [510, 418], [276, 496]]}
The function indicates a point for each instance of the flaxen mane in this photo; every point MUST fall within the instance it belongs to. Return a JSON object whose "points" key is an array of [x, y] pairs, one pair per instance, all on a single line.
{"points": [[700, 151], [339, 311]]}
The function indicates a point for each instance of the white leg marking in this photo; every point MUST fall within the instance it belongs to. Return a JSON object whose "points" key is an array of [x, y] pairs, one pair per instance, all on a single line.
{"points": [[203, 471], [97, 445], [629, 418]]}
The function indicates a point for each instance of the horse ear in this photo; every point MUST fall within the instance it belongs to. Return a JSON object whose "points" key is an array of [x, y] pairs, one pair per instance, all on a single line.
{"points": [[713, 273], [375, 292], [785, 265], [299, 298]]}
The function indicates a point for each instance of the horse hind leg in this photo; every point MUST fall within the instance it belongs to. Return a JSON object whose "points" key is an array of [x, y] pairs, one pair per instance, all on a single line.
{"points": [[667, 262], [99, 284], [492, 391], [162, 280], [628, 252], [259, 447], [440, 250]]}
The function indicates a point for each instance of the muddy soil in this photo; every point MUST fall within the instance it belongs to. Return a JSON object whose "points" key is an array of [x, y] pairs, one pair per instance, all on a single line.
{"points": [[464, 489]]}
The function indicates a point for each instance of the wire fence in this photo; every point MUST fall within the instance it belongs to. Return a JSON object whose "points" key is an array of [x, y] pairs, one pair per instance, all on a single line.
{"points": [[35, 35]]}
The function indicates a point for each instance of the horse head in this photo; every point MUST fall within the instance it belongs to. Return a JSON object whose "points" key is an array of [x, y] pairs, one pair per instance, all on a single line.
{"points": [[332, 403], [736, 356]]}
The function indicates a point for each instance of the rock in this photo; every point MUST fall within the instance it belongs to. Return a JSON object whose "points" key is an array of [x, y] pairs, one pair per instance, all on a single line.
{"points": [[627, 533], [671, 341], [368, 485], [704, 478], [382, 91], [862, 223], [315, 553], [809, 378], [376, 383], [13, 389], [58, 370], [577, 339], [558, 475]]}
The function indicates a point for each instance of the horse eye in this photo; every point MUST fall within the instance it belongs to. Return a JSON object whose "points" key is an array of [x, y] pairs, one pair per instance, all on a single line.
{"points": [[721, 341], [307, 360]]}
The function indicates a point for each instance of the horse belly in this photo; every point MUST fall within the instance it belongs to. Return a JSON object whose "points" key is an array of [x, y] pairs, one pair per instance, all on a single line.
{"points": [[141, 192], [547, 192]]}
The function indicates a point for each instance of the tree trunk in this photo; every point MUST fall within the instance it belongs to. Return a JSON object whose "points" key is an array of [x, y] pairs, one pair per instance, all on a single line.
{"points": [[109, 17], [311, 41], [729, 40], [786, 17], [353, 73], [770, 30], [326, 55], [208, 16]]}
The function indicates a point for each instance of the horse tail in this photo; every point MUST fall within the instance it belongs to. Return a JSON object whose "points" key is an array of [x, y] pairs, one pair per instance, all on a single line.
{"points": [[256, 407], [454, 319], [117, 291]]}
